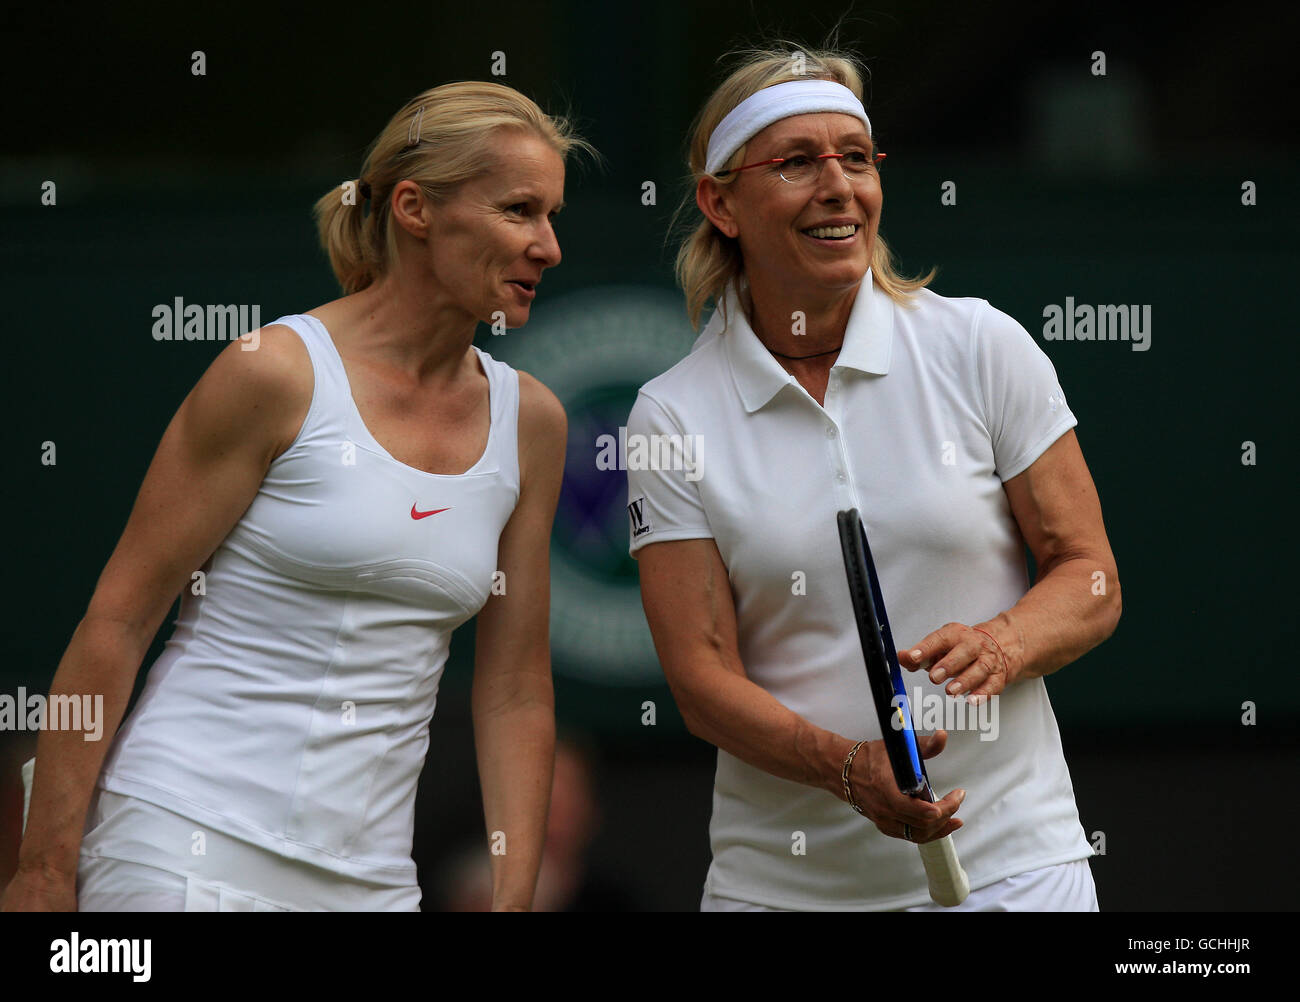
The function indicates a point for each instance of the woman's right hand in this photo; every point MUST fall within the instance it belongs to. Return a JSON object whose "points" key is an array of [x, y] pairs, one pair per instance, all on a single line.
{"points": [[888, 808], [243, 413], [688, 602], [38, 891]]}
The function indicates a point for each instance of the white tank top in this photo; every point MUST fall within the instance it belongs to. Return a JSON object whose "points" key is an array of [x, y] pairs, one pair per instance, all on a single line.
{"points": [[291, 706]]}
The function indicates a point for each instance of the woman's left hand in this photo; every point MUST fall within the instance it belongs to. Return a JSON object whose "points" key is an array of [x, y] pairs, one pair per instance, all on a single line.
{"points": [[963, 659]]}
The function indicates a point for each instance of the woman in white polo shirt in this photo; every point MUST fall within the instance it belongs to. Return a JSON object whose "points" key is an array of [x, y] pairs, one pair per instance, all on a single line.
{"points": [[825, 381]]}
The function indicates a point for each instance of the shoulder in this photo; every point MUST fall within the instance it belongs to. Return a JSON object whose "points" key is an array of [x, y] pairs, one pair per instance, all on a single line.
{"points": [[930, 312], [960, 324], [272, 358], [264, 383], [968, 313], [543, 425], [698, 373], [539, 407]]}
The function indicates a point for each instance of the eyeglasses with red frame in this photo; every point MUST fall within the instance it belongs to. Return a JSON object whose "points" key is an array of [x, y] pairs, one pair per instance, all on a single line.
{"points": [[801, 167]]}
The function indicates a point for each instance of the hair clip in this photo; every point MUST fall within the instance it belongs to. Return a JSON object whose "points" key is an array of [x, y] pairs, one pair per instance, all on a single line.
{"points": [[413, 134]]}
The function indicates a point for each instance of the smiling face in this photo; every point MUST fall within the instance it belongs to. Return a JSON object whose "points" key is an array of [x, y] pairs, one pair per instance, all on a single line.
{"points": [[812, 238], [491, 240]]}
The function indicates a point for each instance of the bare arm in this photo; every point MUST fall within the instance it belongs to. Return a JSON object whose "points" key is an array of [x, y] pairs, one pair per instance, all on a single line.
{"points": [[692, 616], [242, 413], [513, 700], [1073, 606]]}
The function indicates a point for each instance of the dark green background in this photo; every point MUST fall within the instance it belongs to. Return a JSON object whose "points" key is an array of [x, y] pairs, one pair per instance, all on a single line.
{"points": [[171, 185]]}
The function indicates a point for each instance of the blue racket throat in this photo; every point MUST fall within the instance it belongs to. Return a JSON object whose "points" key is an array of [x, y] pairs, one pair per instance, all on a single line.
{"points": [[947, 881], [881, 655], [904, 722], [919, 785]]}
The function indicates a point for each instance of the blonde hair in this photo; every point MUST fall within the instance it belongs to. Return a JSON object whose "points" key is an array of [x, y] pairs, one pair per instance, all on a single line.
{"points": [[708, 260], [438, 139]]}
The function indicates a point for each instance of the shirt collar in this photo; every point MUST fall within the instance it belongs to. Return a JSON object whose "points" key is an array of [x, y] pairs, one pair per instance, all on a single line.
{"points": [[868, 344]]}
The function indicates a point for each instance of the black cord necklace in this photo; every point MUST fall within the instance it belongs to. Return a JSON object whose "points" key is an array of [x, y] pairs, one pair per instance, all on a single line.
{"points": [[796, 358]]}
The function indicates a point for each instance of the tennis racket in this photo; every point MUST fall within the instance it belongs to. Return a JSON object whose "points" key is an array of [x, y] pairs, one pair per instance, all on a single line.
{"points": [[949, 884]]}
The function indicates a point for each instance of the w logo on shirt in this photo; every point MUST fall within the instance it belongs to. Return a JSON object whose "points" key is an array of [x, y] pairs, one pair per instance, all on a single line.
{"points": [[637, 512]]}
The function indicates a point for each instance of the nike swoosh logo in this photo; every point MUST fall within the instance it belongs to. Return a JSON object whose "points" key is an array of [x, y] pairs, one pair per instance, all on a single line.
{"points": [[425, 514]]}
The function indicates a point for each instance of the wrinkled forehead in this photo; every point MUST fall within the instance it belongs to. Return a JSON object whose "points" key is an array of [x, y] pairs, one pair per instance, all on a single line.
{"points": [[514, 158], [527, 150], [828, 130]]}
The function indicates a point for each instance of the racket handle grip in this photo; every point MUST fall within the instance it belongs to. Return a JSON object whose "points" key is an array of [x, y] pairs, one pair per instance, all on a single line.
{"points": [[29, 773], [949, 884]]}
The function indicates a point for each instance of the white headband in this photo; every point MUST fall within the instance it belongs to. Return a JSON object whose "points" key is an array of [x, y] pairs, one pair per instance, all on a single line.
{"points": [[771, 104]]}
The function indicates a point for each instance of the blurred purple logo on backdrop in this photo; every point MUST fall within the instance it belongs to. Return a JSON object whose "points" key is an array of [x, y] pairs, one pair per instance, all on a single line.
{"points": [[595, 349]]}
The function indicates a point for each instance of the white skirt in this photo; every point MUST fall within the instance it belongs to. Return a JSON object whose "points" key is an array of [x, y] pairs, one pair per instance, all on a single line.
{"points": [[1065, 887], [136, 856]]}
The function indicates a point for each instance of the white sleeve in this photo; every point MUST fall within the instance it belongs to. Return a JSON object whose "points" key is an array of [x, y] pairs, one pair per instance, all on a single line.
{"points": [[1024, 407], [663, 504]]}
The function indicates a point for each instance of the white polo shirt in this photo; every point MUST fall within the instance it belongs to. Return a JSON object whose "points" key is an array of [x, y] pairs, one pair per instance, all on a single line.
{"points": [[928, 410]]}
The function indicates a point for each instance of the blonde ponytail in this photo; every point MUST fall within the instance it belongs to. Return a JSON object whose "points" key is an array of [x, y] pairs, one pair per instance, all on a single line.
{"points": [[341, 223]]}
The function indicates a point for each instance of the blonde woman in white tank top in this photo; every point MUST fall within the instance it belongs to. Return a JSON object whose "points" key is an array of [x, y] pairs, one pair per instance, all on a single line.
{"points": [[353, 489]]}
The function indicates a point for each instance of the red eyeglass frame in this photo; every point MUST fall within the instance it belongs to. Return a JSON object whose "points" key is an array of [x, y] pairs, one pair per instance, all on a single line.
{"points": [[875, 159]]}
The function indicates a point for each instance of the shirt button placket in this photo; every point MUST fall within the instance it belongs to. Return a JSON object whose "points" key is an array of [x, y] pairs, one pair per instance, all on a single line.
{"points": [[835, 443], [839, 464]]}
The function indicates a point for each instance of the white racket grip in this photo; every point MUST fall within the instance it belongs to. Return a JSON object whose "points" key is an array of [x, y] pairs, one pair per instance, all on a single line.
{"points": [[949, 884], [29, 771]]}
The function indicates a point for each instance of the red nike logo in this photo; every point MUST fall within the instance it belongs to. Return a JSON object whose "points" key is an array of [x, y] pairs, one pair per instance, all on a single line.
{"points": [[425, 514]]}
